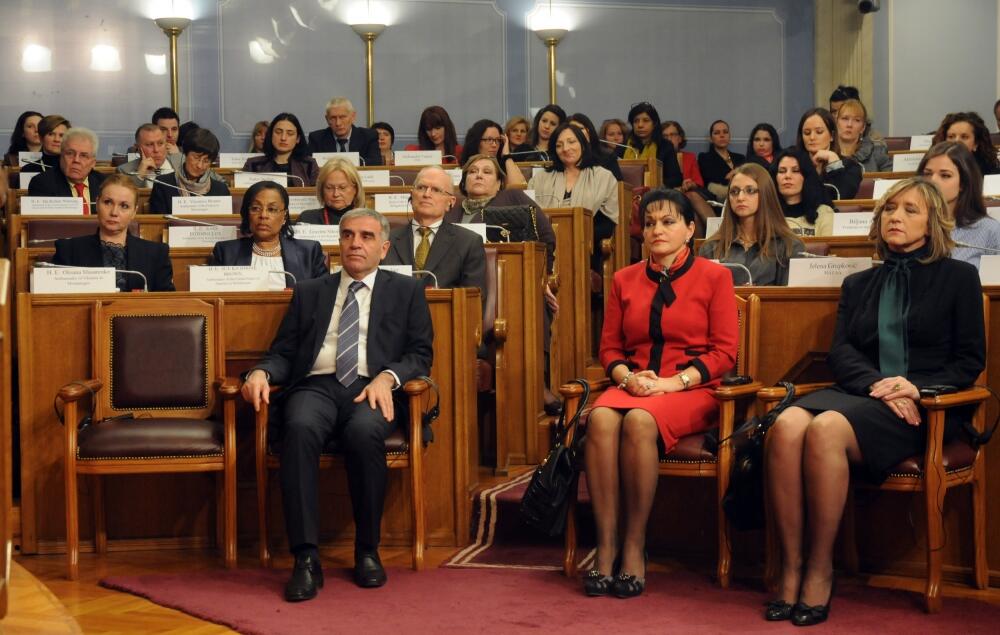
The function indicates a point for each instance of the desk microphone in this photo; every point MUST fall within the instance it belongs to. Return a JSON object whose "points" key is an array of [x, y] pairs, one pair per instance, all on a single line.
{"points": [[992, 250], [545, 156], [164, 183], [287, 273], [38, 163], [52, 265], [806, 254], [396, 176], [736, 265], [426, 272], [622, 145]]}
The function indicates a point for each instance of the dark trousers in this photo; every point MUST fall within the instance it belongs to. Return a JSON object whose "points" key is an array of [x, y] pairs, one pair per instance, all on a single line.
{"points": [[317, 410]]}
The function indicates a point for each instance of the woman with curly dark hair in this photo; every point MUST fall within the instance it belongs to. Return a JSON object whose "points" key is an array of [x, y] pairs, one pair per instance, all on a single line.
{"points": [[969, 129]]}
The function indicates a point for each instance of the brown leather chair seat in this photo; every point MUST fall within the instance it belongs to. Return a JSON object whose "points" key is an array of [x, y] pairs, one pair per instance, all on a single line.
{"points": [[146, 438], [690, 449], [957, 455]]}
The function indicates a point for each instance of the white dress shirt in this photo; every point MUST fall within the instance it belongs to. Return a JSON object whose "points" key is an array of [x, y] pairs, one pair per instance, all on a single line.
{"points": [[326, 361]]}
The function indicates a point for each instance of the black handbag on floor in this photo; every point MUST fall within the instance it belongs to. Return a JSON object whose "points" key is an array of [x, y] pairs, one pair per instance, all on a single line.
{"points": [[744, 499], [543, 505]]}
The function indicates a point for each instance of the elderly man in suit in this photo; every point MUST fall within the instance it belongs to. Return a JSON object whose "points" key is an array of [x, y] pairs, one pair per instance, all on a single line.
{"points": [[343, 351], [453, 254], [75, 176], [342, 135], [153, 159]]}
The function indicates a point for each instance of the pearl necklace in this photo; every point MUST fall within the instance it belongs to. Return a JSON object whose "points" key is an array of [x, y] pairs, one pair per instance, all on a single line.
{"points": [[267, 253]]}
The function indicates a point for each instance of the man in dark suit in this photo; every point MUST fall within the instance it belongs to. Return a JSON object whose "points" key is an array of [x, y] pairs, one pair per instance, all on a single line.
{"points": [[343, 136], [347, 344], [453, 254], [75, 176]]}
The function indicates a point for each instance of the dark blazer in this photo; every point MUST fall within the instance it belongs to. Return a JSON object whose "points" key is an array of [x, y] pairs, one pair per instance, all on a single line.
{"points": [[315, 216], [304, 259], [53, 183], [400, 333], [305, 169], [714, 169], [363, 141], [161, 199], [151, 258], [457, 257]]}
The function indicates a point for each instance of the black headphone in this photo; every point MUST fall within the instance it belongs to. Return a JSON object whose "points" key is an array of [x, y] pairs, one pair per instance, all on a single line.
{"points": [[87, 419], [432, 413]]}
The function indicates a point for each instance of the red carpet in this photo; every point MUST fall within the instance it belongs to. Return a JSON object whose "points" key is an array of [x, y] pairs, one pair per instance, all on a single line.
{"points": [[503, 601]]}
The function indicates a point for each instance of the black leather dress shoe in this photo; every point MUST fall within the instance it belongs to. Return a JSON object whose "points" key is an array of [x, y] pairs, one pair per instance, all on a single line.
{"points": [[306, 580], [368, 571]]}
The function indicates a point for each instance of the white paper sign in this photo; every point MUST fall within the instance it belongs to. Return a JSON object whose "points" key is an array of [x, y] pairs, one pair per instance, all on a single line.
{"points": [[24, 157], [205, 278], [73, 280], [214, 205], [392, 202], [323, 234], [712, 225], [456, 175], [991, 185], [921, 141], [236, 159], [475, 228], [199, 235], [989, 269], [852, 223], [24, 178], [246, 179], [298, 203], [882, 186], [354, 158], [374, 178], [823, 272], [418, 157], [994, 212], [52, 205], [906, 162]]}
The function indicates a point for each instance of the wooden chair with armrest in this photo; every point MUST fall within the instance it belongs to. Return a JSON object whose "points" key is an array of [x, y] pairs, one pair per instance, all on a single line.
{"points": [[941, 467], [693, 456], [158, 365]]}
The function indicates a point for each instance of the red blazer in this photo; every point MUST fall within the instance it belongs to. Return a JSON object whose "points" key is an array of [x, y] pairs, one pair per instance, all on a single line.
{"points": [[700, 328], [690, 169]]}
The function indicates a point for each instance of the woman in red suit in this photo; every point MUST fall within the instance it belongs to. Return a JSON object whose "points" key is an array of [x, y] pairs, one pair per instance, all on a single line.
{"points": [[670, 332]]}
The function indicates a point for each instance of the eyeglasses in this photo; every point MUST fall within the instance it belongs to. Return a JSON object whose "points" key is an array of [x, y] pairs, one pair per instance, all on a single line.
{"points": [[200, 159], [493, 140], [748, 190], [338, 188], [420, 189], [257, 210]]}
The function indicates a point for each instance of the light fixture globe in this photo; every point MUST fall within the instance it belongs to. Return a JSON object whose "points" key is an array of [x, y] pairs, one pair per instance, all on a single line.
{"points": [[172, 24], [372, 30], [553, 35]]}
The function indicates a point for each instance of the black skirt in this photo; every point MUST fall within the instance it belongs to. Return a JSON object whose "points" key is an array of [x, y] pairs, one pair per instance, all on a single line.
{"points": [[885, 439]]}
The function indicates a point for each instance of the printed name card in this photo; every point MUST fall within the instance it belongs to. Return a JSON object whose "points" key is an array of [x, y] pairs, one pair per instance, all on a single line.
{"points": [[324, 234], [24, 178], [882, 186], [991, 185], [906, 162], [214, 205], [456, 175], [989, 269], [51, 205], [236, 159], [298, 203], [374, 178], [392, 202], [246, 179], [712, 225], [921, 141], [73, 280], [418, 157], [852, 223], [823, 272], [23, 158], [475, 228], [199, 235], [354, 158], [205, 278]]}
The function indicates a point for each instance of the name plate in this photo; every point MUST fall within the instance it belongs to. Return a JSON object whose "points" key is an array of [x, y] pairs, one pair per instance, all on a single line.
{"points": [[392, 202], [246, 179], [476, 228], [456, 175], [882, 186], [206, 278], [323, 234], [921, 141], [24, 179], [374, 178], [906, 162], [823, 272], [712, 225], [991, 185], [852, 223], [51, 205], [418, 157], [199, 235], [298, 203], [73, 280], [989, 269], [354, 158], [236, 159], [213, 205], [23, 158]]}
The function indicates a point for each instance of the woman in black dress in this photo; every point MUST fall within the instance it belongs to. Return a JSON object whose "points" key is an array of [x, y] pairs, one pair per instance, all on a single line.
{"points": [[915, 321]]}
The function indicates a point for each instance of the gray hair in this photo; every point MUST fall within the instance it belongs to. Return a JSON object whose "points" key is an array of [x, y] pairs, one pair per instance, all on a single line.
{"points": [[74, 133], [340, 101], [364, 212]]}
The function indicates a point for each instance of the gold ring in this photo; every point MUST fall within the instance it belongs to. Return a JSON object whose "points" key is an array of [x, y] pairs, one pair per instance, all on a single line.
{"points": [[896, 386]]}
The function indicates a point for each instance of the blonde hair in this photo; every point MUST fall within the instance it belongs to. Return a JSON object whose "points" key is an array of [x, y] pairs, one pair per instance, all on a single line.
{"points": [[341, 165], [769, 222], [939, 225], [513, 121]]}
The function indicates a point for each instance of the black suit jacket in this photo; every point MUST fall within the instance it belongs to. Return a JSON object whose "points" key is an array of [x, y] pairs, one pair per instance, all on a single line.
{"points": [[304, 259], [457, 257], [53, 182], [161, 199], [363, 141], [152, 259]]}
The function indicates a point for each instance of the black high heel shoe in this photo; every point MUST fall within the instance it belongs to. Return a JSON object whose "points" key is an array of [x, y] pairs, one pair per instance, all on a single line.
{"points": [[804, 615], [777, 611], [596, 584], [629, 586]]}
